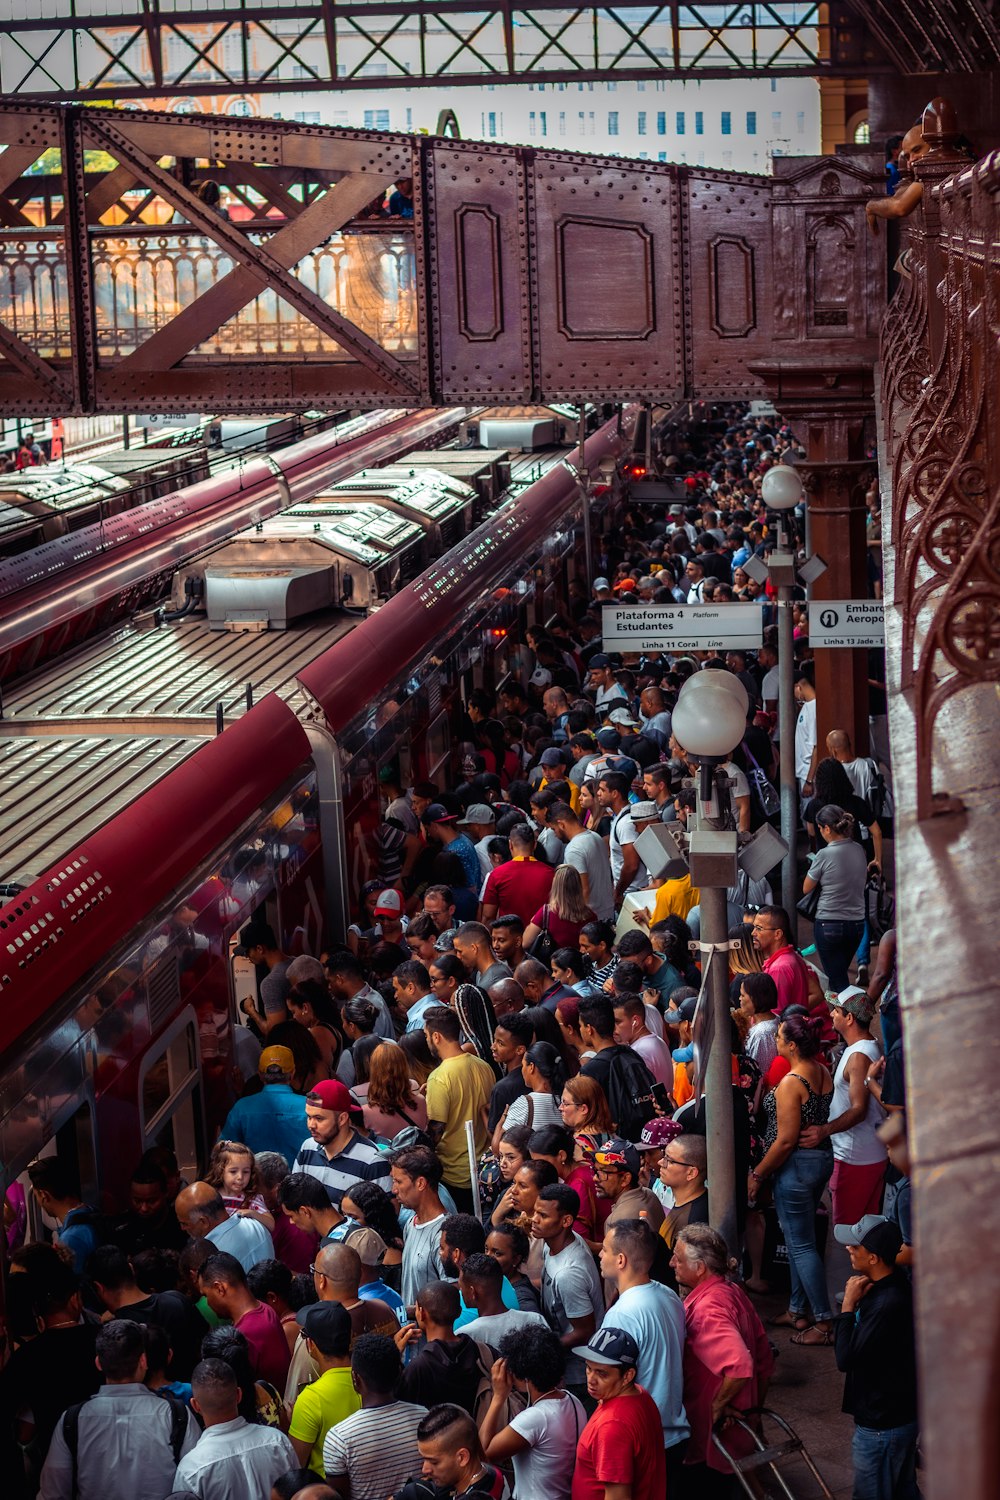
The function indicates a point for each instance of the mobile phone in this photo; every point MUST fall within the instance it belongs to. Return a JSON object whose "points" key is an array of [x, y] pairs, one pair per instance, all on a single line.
{"points": [[661, 1097]]}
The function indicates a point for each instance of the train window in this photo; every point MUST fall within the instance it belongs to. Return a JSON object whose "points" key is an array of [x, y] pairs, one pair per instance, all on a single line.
{"points": [[438, 745], [171, 1097]]}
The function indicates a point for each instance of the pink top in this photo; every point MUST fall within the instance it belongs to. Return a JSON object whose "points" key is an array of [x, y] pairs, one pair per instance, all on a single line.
{"points": [[386, 1124], [725, 1337], [789, 971], [269, 1352], [583, 1182]]}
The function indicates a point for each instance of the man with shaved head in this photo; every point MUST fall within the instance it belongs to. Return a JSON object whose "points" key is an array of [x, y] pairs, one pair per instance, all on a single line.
{"points": [[861, 771], [337, 1278], [507, 998], [201, 1213]]}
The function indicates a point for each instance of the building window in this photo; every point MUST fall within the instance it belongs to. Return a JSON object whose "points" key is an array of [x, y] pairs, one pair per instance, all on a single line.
{"points": [[377, 119], [491, 122], [640, 87], [699, 122], [612, 122], [531, 122], [862, 133], [611, 87], [582, 119], [591, 126], [751, 122], [543, 122], [562, 122], [776, 119], [727, 123], [409, 118], [800, 122], [727, 159], [661, 156], [307, 116], [642, 122], [681, 124], [661, 122]]}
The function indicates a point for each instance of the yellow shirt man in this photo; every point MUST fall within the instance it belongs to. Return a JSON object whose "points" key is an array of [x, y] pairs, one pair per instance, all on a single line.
{"points": [[458, 1090]]}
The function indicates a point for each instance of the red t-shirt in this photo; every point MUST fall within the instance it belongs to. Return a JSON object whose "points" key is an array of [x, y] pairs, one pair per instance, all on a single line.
{"points": [[564, 934], [622, 1444], [519, 888], [791, 976], [270, 1355]]}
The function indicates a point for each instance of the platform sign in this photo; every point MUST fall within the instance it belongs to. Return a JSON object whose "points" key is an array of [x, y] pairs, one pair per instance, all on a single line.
{"points": [[644, 629], [846, 623]]}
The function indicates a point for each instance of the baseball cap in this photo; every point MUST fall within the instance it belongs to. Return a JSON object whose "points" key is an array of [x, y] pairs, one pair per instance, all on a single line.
{"points": [[479, 812], [622, 716], [873, 1232], [608, 739], [628, 767], [328, 1325], [444, 943], [541, 677], [683, 1012], [553, 757], [436, 813], [658, 1133], [276, 1062], [855, 1001], [369, 1245], [389, 904], [643, 810], [601, 583], [624, 584], [331, 1094], [610, 1346], [618, 1152], [600, 659]]}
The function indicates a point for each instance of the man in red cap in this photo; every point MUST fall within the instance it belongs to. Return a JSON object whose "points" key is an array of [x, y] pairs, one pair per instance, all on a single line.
{"points": [[333, 1151]]}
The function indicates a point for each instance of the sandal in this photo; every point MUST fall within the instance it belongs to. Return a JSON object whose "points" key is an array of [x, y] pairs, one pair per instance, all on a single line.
{"points": [[791, 1320], [814, 1337]]}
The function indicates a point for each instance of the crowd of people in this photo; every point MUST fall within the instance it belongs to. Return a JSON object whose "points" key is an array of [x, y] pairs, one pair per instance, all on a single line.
{"points": [[453, 1238]]}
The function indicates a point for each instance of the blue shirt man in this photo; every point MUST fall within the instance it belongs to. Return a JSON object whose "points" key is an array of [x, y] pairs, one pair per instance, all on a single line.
{"points": [[274, 1119]]}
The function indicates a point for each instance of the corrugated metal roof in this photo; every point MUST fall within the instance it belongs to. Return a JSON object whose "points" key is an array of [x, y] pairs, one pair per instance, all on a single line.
{"points": [[55, 792], [179, 669]]}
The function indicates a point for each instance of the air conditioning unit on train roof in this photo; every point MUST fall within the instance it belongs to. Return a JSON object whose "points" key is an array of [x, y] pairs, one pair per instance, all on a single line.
{"points": [[526, 434], [249, 598]]}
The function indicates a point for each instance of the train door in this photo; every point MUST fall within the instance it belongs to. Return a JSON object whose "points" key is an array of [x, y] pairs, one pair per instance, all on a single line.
{"points": [[73, 1141], [170, 1097]]}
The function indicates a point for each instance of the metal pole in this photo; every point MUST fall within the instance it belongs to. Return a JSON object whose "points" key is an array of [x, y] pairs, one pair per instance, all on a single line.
{"points": [[719, 1132], [588, 544], [786, 742], [719, 1075], [125, 432]]}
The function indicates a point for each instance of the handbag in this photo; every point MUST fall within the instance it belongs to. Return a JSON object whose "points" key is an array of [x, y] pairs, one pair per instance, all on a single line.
{"points": [[880, 907], [767, 796], [545, 944], [808, 905]]}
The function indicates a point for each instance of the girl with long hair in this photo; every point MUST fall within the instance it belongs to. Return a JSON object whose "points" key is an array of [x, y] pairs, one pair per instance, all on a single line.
{"points": [[389, 1098]]}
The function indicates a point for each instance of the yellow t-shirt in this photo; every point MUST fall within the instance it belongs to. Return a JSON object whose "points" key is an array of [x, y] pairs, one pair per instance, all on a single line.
{"points": [[675, 898], [319, 1406], [574, 793], [458, 1090]]}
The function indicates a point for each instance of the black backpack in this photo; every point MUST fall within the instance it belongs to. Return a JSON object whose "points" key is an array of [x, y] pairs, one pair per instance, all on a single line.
{"points": [[630, 1093], [71, 1432]]}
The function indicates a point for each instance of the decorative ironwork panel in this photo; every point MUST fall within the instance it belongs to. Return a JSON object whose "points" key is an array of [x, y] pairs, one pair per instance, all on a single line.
{"points": [[476, 227], [728, 282], [606, 277]]}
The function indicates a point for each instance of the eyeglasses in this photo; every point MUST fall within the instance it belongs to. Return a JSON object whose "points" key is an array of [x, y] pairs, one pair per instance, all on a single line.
{"points": [[607, 1171], [314, 1271], [671, 1161]]}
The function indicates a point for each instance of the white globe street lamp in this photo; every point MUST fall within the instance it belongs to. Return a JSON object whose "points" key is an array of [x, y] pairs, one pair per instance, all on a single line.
{"points": [[708, 719], [782, 488], [719, 677]]}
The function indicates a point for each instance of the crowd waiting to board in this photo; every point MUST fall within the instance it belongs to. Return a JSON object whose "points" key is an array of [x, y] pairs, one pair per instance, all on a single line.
{"points": [[454, 1238]]}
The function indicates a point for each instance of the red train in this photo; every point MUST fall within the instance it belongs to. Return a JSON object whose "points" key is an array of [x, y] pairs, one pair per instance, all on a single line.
{"points": [[117, 1001]]}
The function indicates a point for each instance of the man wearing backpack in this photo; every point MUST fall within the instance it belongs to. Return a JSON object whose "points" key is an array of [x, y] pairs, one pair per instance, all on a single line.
{"points": [[58, 1195], [621, 1072], [126, 1440]]}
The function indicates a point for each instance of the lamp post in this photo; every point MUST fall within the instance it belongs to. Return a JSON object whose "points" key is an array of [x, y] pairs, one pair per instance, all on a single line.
{"points": [[708, 721], [781, 491]]}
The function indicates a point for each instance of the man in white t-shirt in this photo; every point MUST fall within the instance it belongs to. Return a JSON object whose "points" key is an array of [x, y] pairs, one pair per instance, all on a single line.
{"points": [[654, 1316], [805, 736], [627, 870], [601, 680], [767, 657]]}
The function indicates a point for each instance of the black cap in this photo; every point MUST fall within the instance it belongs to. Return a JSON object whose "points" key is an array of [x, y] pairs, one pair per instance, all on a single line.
{"points": [[328, 1325]]}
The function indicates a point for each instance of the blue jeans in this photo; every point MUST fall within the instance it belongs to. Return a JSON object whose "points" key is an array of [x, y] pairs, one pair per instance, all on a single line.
{"points": [[836, 944], [798, 1188], [885, 1463]]}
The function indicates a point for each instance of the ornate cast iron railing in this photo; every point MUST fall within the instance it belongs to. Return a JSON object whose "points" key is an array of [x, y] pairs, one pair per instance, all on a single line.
{"points": [[940, 393]]}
